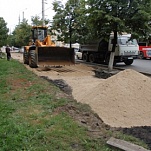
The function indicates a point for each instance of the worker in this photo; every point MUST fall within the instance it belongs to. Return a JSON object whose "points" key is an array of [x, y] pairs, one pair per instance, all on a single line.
{"points": [[8, 52]]}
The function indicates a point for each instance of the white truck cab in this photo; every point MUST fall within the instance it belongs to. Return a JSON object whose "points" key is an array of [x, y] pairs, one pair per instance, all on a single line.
{"points": [[126, 50]]}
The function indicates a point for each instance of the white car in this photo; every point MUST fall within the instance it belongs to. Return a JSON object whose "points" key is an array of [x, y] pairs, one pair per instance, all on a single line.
{"points": [[78, 54]]}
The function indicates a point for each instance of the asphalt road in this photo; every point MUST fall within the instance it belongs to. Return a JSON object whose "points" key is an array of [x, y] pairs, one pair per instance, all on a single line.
{"points": [[140, 65]]}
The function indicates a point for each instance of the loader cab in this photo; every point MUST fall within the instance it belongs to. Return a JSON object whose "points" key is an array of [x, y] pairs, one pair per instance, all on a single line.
{"points": [[39, 33]]}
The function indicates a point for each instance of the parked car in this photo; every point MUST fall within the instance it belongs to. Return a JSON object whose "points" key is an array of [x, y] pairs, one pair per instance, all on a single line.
{"points": [[21, 49], [14, 49], [78, 54]]}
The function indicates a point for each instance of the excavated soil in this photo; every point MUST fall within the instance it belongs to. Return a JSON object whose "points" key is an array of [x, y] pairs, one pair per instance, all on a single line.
{"points": [[121, 101]]}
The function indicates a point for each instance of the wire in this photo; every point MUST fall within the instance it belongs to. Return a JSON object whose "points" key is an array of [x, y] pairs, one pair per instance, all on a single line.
{"points": [[44, 10]]}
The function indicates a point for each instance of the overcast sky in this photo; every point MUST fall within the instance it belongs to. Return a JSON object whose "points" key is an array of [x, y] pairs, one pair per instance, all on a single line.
{"points": [[10, 10]]}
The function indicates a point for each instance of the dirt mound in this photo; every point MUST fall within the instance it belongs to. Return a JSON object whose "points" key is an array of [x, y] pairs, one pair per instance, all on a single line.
{"points": [[123, 100]]}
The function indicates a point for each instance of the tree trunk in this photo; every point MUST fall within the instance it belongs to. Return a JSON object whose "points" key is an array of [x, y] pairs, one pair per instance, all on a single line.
{"points": [[110, 66]]}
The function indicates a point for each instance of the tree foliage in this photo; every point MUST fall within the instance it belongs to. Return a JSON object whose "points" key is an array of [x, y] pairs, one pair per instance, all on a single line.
{"points": [[65, 20], [132, 16], [59, 24], [21, 34], [37, 21], [93, 19], [3, 32]]}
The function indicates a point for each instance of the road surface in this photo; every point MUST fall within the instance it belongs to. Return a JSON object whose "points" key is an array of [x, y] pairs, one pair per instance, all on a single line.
{"points": [[139, 65]]}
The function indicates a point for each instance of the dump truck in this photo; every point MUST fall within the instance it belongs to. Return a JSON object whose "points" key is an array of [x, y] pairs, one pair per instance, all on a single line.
{"points": [[43, 51], [126, 50]]}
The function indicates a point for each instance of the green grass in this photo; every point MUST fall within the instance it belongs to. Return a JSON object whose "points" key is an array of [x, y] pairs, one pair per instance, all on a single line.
{"points": [[31, 118]]}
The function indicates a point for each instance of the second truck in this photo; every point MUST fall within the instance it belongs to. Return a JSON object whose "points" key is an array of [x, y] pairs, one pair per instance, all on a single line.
{"points": [[144, 50]]}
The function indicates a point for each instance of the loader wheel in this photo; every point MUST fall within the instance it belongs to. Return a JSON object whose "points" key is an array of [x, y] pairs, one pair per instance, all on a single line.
{"points": [[25, 57], [33, 59]]}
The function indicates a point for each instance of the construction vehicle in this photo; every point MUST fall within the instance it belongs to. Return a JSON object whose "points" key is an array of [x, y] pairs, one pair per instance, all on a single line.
{"points": [[144, 50], [126, 50], [42, 51]]}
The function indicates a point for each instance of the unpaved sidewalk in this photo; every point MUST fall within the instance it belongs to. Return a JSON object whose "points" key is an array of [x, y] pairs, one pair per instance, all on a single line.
{"points": [[122, 100]]}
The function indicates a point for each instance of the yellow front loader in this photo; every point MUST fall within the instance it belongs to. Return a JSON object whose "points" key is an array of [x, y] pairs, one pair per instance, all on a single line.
{"points": [[42, 51]]}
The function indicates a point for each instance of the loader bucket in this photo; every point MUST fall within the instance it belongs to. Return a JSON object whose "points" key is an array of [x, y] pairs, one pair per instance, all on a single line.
{"points": [[50, 55]]}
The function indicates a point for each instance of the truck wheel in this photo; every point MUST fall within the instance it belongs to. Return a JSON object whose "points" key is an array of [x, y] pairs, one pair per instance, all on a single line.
{"points": [[107, 59], [128, 61], [92, 58], [33, 59], [25, 57], [85, 57]]}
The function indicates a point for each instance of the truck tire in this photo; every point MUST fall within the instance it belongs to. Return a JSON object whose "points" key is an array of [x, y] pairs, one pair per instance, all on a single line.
{"points": [[92, 58], [85, 57], [128, 61], [25, 57], [107, 59], [33, 59]]}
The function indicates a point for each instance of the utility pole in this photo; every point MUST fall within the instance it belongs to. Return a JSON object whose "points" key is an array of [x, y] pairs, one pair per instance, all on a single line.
{"points": [[19, 19], [23, 17], [43, 14]]}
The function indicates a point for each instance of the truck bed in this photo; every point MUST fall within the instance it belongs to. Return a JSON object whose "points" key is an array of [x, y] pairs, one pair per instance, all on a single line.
{"points": [[92, 47]]}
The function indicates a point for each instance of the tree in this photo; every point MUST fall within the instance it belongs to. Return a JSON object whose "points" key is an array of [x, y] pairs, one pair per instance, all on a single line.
{"points": [[3, 32], [58, 23], [21, 34], [11, 40], [65, 21], [36, 21]]}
